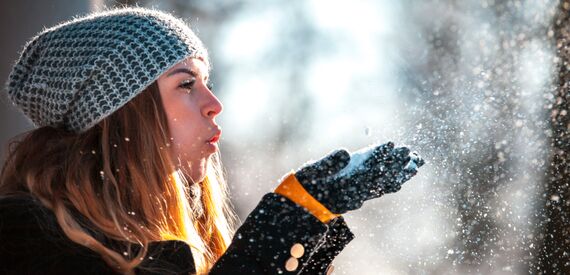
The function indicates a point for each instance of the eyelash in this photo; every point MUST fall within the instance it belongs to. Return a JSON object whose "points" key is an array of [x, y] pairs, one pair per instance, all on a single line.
{"points": [[189, 84]]}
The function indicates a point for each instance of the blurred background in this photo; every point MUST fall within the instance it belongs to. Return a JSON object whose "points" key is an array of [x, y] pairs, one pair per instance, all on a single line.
{"points": [[477, 87]]}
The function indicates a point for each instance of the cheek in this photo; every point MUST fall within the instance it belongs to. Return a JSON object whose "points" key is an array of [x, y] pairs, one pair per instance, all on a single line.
{"points": [[184, 124], [184, 136]]}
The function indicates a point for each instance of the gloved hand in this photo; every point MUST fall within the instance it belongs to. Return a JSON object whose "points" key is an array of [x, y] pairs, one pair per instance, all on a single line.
{"points": [[342, 182]]}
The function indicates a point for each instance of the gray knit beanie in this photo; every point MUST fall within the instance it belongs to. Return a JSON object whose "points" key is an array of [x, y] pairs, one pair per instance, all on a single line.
{"points": [[75, 74]]}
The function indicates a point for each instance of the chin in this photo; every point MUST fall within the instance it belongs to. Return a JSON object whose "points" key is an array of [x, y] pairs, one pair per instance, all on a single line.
{"points": [[196, 167], [199, 173], [200, 177]]}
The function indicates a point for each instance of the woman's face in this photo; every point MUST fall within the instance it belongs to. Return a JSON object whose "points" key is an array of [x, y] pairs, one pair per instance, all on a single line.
{"points": [[191, 109]]}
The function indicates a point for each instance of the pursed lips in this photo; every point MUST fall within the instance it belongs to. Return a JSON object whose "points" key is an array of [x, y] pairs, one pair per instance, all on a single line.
{"points": [[216, 136]]}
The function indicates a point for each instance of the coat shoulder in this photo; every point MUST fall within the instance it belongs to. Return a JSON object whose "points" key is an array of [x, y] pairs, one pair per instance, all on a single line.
{"points": [[24, 220], [32, 242]]}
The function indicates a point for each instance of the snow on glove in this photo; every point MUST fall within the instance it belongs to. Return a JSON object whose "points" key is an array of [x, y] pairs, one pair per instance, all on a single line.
{"points": [[342, 182]]}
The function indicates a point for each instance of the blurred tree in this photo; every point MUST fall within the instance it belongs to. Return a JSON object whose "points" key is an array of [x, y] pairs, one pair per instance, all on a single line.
{"points": [[475, 169], [554, 252], [296, 114], [469, 96]]}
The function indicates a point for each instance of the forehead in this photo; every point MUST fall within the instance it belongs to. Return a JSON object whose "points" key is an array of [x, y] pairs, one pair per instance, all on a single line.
{"points": [[196, 65]]}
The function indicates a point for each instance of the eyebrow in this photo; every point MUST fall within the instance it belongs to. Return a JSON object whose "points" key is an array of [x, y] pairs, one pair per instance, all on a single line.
{"points": [[182, 70], [186, 71]]}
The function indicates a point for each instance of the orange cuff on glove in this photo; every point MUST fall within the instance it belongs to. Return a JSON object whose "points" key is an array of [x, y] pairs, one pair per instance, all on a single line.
{"points": [[292, 189]]}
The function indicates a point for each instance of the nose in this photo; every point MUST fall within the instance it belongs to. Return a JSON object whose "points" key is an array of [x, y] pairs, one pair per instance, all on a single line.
{"points": [[213, 106]]}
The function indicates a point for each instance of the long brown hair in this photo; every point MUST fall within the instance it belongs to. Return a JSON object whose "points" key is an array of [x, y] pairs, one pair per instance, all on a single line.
{"points": [[120, 179]]}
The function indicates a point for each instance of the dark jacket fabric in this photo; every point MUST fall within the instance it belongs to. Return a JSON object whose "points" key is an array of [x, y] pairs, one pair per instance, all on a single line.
{"points": [[31, 242]]}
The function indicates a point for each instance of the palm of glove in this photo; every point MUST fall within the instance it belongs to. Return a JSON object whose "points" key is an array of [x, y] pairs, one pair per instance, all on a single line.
{"points": [[342, 183]]}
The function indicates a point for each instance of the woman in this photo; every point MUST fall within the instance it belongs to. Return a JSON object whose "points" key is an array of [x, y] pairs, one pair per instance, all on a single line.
{"points": [[123, 175]]}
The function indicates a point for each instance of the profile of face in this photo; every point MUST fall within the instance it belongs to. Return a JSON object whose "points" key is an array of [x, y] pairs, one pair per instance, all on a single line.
{"points": [[191, 109]]}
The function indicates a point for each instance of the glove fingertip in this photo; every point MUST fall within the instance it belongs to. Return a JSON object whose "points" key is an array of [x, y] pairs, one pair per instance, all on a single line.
{"points": [[421, 162], [383, 149]]}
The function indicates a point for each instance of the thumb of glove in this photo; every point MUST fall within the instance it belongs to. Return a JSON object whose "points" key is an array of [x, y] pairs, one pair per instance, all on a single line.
{"points": [[327, 166]]}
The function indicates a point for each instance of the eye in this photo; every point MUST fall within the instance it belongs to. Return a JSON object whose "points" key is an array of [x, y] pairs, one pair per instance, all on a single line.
{"points": [[210, 86], [187, 84]]}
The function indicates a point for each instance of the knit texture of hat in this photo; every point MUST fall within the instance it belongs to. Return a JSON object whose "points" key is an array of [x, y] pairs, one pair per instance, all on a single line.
{"points": [[75, 74]]}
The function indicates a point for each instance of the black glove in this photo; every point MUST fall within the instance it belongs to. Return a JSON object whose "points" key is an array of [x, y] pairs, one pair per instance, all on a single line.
{"points": [[342, 182]]}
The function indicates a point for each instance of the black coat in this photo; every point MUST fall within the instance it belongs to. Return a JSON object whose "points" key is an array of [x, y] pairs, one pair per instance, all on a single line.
{"points": [[31, 242]]}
